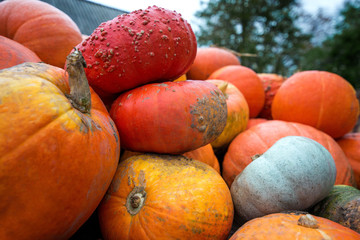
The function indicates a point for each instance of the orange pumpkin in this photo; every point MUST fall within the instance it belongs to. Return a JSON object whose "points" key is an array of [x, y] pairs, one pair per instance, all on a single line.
{"points": [[13, 53], [156, 196], [293, 226], [208, 60], [350, 144], [42, 28], [57, 160], [259, 138], [320, 99], [248, 82], [271, 83], [237, 114]]}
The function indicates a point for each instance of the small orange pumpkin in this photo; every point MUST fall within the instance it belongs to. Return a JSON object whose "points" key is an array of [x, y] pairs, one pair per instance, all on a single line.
{"points": [[248, 82], [208, 60], [293, 226], [156, 196]]}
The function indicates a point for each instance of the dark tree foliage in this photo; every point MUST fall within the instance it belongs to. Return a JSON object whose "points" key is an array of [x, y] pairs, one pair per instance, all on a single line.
{"points": [[340, 53], [266, 28]]}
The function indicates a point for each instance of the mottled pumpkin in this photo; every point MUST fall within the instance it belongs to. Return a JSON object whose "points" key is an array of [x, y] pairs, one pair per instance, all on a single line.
{"points": [[259, 138], [57, 159], [169, 117], [320, 99], [341, 205], [300, 226], [166, 197]]}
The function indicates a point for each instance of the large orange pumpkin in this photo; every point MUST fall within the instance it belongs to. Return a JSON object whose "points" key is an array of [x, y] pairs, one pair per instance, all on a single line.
{"points": [[13, 53], [320, 99], [293, 226], [156, 196], [271, 83], [259, 138], [350, 144], [57, 160], [248, 82], [208, 60], [42, 28]]}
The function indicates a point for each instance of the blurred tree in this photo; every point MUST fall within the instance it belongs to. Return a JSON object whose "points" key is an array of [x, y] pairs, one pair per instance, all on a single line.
{"points": [[340, 52], [267, 28]]}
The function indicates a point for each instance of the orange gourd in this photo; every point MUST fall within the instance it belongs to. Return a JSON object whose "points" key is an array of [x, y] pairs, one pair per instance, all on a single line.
{"points": [[255, 121], [259, 138], [156, 196], [248, 82], [293, 226], [350, 144], [41, 27], [13, 53], [208, 60], [320, 99], [58, 154]]}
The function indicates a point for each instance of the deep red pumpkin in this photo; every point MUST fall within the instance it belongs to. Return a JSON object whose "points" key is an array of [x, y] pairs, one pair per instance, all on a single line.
{"points": [[259, 138], [144, 46], [169, 117]]}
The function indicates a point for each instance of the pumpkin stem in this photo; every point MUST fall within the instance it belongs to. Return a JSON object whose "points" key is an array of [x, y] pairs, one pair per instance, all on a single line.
{"points": [[135, 200], [308, 221], [79, 96]]}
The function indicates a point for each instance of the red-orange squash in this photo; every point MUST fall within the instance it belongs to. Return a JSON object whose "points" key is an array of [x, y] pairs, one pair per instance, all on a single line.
{"points": [[248, 82], [155, 196], [320, 99], [13, 53], [56, 161], [259, 138], [350, 144], [41, 27], [210, 59], [293, 226], [255, 121], [271, 83], [169, 117]]}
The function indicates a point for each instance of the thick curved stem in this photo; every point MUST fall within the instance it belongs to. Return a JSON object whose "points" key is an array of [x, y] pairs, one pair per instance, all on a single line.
{"points": [[79, 96]]}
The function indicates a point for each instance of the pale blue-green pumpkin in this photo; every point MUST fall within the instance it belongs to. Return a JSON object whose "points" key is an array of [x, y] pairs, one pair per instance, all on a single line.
{"points": [[294, 174]]}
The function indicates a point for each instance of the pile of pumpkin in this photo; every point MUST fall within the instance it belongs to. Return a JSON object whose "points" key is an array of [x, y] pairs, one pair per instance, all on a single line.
{"points": [[109, 125]]}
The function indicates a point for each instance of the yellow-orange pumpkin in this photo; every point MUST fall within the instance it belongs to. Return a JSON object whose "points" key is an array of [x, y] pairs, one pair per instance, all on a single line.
{"points": [[56, 161], [156, 196]]}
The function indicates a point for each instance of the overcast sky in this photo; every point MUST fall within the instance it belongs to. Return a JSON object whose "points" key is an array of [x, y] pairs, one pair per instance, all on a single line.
{"points": [[187, 8]]}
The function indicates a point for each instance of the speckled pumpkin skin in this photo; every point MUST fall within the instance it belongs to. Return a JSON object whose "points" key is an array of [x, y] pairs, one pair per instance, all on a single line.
{"points": [[183, 199], [293, 174], [56, 163], [143, 46], [169, 117]]}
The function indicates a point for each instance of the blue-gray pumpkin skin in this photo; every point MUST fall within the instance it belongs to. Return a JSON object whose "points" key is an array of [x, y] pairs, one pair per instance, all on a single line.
{"points": [[294, 174]]}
